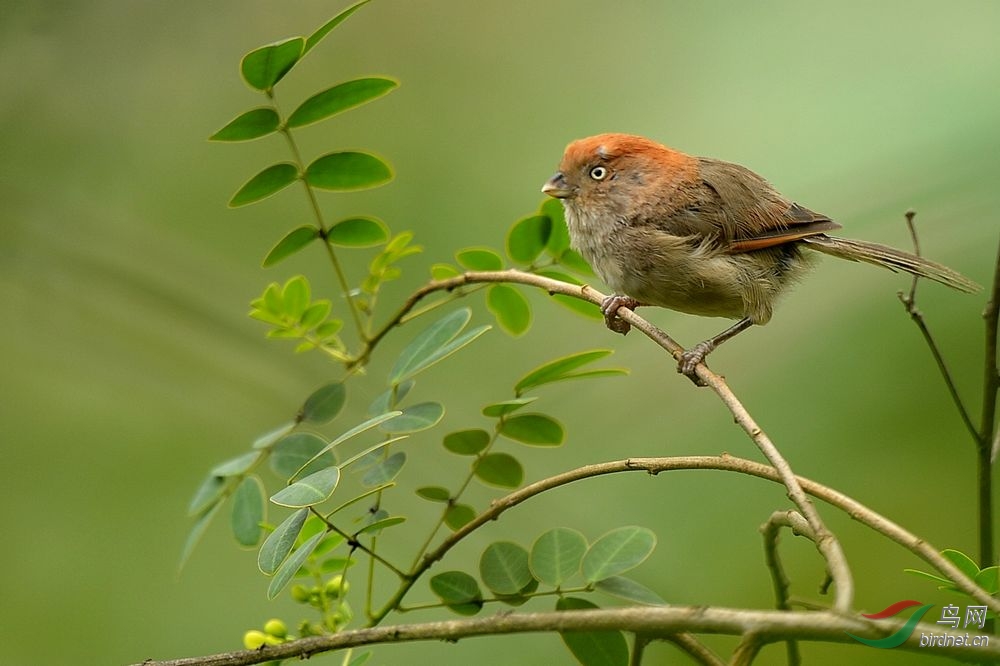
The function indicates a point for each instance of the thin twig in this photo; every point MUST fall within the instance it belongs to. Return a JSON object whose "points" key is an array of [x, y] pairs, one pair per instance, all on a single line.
{"points": [[771, 530], [748, 648], [689, 644], [659, 621]]}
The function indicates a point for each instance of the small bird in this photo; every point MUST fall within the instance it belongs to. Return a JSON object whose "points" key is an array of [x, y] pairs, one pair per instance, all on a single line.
{"points": [[698, 235]]}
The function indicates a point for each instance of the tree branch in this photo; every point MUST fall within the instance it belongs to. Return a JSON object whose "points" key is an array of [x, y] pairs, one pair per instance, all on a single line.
{"points": [[771, 530], [659, 621]]}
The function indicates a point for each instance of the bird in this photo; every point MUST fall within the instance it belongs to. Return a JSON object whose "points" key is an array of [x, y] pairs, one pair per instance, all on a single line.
{"points": [[699, 235]]}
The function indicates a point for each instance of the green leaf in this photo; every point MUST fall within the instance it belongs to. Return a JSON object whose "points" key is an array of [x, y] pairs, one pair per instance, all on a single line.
{"points": [[390, 398], [458, 516], [253, 124], [946, 582], [354, 432], [459, 591], [198, 531], [559, 235], [558, 370], [443, 271], [358, 232], [236, 466], [434, 493], [294, 240], [270, 181], [498, 409], [510, 307], [989, 579], [358, 659], [556, 555], [295, 295], [325, 29], [593, 648], [479, 259], [433, 344], [503, 567], [533, 429], [315, 314], [291, 565], [585, 308], [280, 542], [965, 563], [248, 511], [298, 451], [385, 471], [630, 590], [264, 67], [416, 418], [368, 458], [617, 551], [340, 98], [324, 404], [268, 439], [311, 490], [500, 469], [381, 524], [348, 170], [528, 237], [208, 493], [467, 442]]}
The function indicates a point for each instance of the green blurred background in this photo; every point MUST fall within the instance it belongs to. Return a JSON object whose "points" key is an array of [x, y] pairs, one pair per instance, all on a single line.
{"points": [[130, 367]]}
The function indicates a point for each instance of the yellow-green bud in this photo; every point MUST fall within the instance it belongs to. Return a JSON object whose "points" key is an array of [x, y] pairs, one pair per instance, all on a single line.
{"points": [[337, 586], [276, 628], [254, 638], [300, 593]]}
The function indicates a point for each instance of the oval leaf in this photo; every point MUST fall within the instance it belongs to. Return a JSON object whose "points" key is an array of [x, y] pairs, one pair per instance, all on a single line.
{"points": [[528, 237], [510, 307], [263, 67], [290, 566], [248, 511], [358, 232], [467, 442], [443, 271], [421, 351], [558, 370], [498, 409], [208, 493], [458, 516], [381, 524], [390, 398], [503, 567], [298, 452], [348, 170], [253, 124], [416, 418], [500, 469], [324, 404], [384, 471], [325, 29], [479, 259], [434, 493], [593, 648], [559, 233], [280, 542], [556, 555], [240, 464], [617, 551], [294, 240], [459, 591], [533, 429], [628, 589], [270, 181], [313, 489], [340, 98]]}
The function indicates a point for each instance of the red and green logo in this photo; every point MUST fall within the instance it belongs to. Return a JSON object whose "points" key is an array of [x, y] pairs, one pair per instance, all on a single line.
{"points": [[903, 633]]}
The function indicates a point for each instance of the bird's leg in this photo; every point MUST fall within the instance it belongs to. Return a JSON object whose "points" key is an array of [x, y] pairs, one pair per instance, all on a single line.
{"points": [[609, 308], [692, 357]]}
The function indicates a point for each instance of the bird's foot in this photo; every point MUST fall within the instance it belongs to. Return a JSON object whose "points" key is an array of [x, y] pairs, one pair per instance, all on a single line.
{"points": [[690, 359], [609, 308]]}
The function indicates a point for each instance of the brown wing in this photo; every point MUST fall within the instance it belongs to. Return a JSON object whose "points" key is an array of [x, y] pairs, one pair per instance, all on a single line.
{"points": [[751, 214]]}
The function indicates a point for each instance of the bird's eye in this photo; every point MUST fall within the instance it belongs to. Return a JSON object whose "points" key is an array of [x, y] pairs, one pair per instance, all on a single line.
{"points": [[598, 173]]}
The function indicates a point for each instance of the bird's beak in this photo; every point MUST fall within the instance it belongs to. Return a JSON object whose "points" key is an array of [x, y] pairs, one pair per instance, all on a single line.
{"points": [[557, 187]]}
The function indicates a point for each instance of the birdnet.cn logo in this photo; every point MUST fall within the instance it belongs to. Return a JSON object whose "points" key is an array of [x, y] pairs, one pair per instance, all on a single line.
{"points": [[974, 617]]}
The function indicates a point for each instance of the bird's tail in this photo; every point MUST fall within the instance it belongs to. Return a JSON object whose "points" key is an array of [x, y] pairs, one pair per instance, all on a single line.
{"points": [[891, 258]]}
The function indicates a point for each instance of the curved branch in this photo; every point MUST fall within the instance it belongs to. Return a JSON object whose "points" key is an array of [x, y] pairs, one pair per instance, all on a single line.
{"points": [[659, 621], [827, 544]]}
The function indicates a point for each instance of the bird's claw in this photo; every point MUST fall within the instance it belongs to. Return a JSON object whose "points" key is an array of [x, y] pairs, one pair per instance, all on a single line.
{"points": [[689, 360], [609, 308]]}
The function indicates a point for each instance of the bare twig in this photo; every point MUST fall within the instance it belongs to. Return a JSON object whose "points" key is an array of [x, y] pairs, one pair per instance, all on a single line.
{"points": [[771, 530], [690, 645], [659, 621]]}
